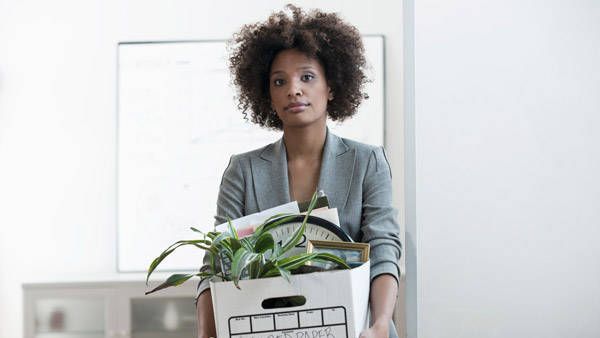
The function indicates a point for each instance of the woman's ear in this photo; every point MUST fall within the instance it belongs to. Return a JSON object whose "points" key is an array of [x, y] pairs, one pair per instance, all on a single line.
{"points": [[330, 94]]}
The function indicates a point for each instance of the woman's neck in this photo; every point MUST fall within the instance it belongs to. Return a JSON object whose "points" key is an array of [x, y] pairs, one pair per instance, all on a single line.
{"points": [[304, 143]]}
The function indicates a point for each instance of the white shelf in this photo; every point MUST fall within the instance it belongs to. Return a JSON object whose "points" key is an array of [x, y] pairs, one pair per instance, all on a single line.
{"points": [[108, 309]]}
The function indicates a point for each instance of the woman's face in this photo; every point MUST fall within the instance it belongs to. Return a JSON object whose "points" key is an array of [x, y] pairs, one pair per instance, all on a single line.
{"points": [[298, 89]]}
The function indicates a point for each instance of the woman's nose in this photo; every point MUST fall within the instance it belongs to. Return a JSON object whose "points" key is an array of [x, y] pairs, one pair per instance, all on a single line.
{"points": [[295, 89]]}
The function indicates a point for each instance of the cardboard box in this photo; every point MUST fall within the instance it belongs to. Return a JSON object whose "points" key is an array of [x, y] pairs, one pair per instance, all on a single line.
{"points": [[336, 305]]}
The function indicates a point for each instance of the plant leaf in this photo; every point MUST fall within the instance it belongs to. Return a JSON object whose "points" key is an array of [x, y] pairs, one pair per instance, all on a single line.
{"points": [[224, 247], [328, 257], [290, 263], [168, 251], [293, 240], [254, 267], [221, 237], [241, 260], [196, 230], [235, 244], [294, 262], [286, 274], [276, 216], [259, 229], [266, 268], [311, 206], [247, 243], [232, 230], [173, 280], [212, 235], [297, 235], [264, 242], [178, 279], [213, 262], [268, 226]]}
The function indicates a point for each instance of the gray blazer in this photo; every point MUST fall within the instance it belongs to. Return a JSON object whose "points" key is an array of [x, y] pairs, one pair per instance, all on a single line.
{"points": [[355, 177]]}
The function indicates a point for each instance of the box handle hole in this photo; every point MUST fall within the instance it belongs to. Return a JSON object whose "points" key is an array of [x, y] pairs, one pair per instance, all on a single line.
{"points": [[279, 302]]}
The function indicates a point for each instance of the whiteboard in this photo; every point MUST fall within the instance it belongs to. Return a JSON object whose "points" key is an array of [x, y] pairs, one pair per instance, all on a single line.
{"points": [[178, 125]]}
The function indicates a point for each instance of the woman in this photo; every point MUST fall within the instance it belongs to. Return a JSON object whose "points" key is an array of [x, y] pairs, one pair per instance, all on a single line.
{"points": [[293, 73]]}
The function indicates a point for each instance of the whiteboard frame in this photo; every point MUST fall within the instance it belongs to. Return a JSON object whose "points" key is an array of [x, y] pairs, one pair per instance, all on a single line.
{"points": [[118, 224]]}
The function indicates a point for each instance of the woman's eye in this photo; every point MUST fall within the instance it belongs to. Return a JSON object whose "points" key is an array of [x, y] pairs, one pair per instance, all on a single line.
{"points": [[307, 77], [278, 82]]}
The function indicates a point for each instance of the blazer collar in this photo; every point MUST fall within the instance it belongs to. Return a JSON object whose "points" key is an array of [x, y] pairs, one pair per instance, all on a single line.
{"points": [[270, 173], [337, 169], [270, 176]]}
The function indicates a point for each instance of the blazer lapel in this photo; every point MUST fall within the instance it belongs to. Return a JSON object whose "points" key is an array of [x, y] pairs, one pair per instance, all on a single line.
{"points": [[337, 169], [269, 173]]}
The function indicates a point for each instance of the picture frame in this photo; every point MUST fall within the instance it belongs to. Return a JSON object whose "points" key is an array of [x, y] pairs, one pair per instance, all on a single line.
{"points": [[354, 254]]}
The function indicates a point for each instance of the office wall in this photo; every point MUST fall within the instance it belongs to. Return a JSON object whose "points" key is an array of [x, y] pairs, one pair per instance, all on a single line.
{"points": [[57, 122], [506, 156]]}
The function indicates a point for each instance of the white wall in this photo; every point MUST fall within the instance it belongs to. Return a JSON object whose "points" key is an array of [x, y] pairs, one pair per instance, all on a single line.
{"points": [[507, 144], [57, 122]]}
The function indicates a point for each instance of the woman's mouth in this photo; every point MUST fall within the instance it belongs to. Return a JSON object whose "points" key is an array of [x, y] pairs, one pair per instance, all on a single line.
{"points": [[296, 107]]}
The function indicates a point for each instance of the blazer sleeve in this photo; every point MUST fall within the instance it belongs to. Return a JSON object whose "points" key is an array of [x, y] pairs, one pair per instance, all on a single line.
{"points": [[230, 204], [379, 224]]}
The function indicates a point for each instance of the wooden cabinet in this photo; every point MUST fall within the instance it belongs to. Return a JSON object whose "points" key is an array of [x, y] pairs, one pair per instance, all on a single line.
{"points": [[113, 309]]}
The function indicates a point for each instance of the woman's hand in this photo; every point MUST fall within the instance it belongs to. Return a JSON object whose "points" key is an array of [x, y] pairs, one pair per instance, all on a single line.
{"points": [[378, 330]]}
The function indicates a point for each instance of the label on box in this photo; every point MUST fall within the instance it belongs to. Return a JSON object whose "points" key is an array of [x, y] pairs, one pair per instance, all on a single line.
{"points": [[329, 322]]}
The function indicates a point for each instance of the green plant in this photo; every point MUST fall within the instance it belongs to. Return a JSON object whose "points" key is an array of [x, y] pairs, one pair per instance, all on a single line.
{"points": [[250, 257]]}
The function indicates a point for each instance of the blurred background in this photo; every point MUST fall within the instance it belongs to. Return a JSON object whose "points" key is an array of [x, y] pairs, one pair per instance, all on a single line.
{"points": [[491, 129]]}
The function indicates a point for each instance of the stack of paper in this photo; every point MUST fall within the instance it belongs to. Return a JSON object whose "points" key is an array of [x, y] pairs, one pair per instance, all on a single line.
{"points": [[246, 225]]}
